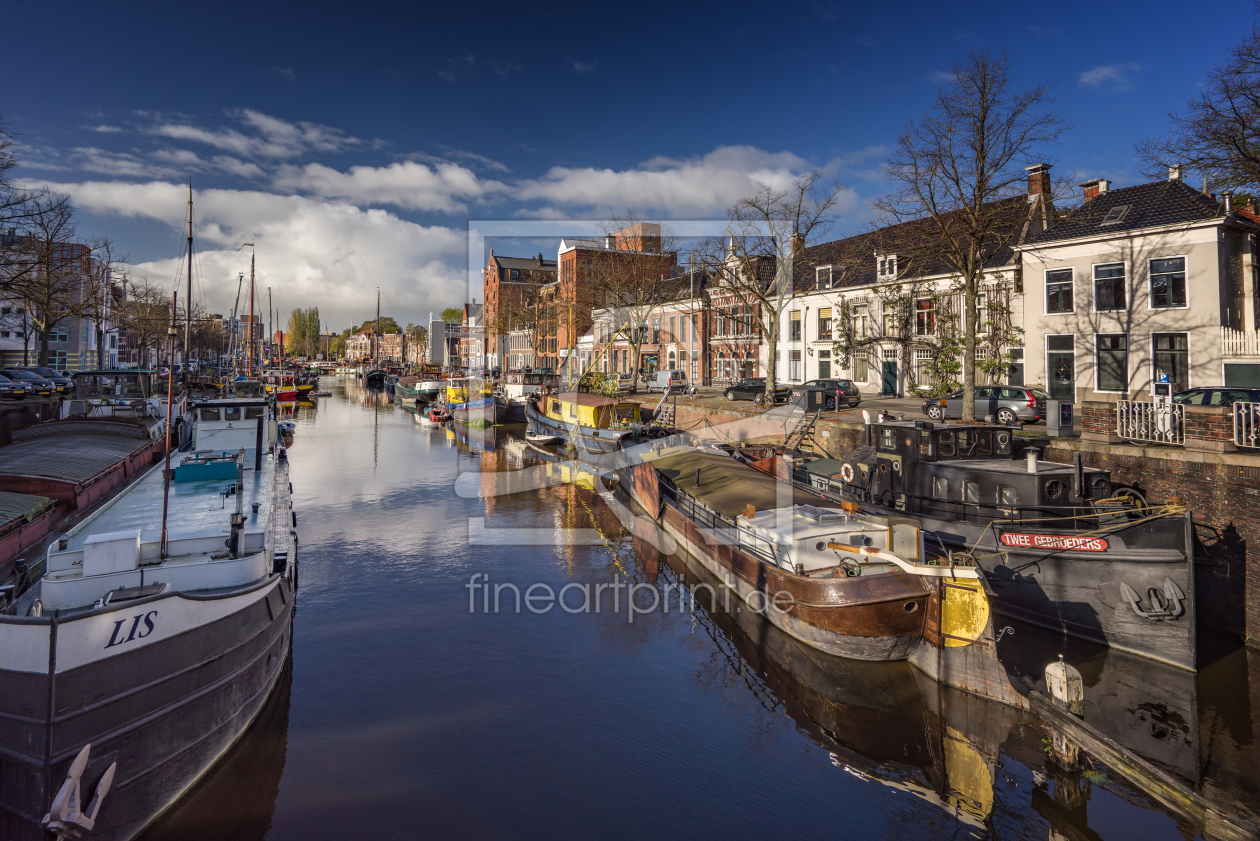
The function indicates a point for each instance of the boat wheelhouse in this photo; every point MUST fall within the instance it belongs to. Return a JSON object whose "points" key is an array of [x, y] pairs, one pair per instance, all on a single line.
{"points": [[471, 400], [1060, 544], [123, 393]]}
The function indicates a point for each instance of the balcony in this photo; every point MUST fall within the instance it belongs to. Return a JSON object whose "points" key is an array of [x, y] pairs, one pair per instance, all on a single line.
{"points": [[1239, 343]]}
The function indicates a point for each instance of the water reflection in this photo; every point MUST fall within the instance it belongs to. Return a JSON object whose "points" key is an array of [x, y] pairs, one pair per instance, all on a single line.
{"points": [[413, 716]]}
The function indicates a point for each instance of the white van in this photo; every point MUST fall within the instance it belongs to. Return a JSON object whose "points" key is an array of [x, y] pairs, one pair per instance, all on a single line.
{"points": [[662, 380]]}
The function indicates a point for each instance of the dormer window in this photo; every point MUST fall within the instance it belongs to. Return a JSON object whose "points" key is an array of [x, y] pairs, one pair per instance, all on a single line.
{"points": [[1115, 215], [887, 266], [823, 277]]}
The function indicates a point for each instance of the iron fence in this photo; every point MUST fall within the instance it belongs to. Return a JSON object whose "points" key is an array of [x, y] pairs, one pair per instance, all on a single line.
{"points": [[1153, 423], [1247, 424]]}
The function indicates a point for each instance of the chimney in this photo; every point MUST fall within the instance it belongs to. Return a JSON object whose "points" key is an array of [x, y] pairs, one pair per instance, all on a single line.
{"points": [[1175, 172], [798, 242], [1038, 179], [1093, 189], [610, 242], [1229, 201], [491, 253]]}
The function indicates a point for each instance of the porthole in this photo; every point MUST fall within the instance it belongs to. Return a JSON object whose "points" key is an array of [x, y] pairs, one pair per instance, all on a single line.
{"points": [[883, 467], [1054, 489], [820, 545], [910, 607]]}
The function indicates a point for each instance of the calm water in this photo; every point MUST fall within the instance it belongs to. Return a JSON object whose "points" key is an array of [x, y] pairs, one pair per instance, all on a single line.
{"points": [[405, 715]]}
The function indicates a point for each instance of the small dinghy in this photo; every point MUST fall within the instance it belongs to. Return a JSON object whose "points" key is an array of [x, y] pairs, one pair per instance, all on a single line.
{"points": [[437, 414], [287, 427], [541, 438]]}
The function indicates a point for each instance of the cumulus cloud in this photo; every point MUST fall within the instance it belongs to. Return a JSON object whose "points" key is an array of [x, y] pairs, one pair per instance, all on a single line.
{"points": [[703, 186], [443, 187], [1114, 77], [270, 137], [309, 251]]}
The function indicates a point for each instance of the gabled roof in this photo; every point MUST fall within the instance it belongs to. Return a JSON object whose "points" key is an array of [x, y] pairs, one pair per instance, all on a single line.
{"points": [[1148, 206], [530, 263], [854, 259]]}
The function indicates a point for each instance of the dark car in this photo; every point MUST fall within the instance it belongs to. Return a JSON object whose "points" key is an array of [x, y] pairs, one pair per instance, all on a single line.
{"points": [[10, 388], [65, 385], [34, 383], [836, 392], [754, 388], [1004, 403], [1215, 395]]}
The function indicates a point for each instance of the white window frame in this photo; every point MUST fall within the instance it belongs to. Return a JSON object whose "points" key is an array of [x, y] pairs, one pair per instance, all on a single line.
{"points": [[1045, 290], [1150, 343], [1093, 288], [823, 277], [1128, 362], [1045, 356], [1150, 288], [918, 312]]}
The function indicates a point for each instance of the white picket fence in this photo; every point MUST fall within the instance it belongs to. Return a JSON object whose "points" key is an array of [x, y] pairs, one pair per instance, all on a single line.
{"points": [[1240, 342], [1151, 423]]}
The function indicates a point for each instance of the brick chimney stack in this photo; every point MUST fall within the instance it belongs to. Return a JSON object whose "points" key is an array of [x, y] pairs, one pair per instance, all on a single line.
{"points": [[1093, 189], [1038, 180], [1176, 172]]}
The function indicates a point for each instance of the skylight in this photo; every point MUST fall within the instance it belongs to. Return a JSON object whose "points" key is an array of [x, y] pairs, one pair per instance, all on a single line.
{"points": [[1115, 215]]}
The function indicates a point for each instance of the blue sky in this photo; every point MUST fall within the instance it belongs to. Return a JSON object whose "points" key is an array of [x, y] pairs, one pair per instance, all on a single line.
{"points": [[357, 140]]}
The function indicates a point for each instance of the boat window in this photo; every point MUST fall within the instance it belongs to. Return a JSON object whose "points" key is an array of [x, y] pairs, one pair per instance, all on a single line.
{"points": [[946, 443], [252, 412], [232, 414], [940, 487], [888, 439], [1008, 498], [573, 410], [209, 414], [925, 444], [971, 492], [965, 442], [984, 443]]}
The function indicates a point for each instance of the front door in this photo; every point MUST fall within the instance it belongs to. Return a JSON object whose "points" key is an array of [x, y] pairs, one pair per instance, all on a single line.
{"points": [[1060, 367], [1062, 376], [890, 378]]}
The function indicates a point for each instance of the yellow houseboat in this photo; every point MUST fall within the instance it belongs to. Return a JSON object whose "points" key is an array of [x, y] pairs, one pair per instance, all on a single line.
{"points": [[587, 421]]}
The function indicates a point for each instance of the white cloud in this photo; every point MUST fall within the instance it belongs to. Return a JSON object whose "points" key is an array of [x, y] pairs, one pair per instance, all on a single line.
{"points": [[458, 67], [444, 187], [310, 252], [1114, 77], [272, 138], [704, 186], [104, 129], [449, 154], [585, 68], [125, 164], [940, 77]]}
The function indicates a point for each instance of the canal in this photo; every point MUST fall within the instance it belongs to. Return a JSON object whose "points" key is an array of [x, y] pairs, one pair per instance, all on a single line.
{"points": [[411, 710]]}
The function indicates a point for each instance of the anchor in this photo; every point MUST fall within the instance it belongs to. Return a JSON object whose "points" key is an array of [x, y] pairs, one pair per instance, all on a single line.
{"points": [[1168, 606], [64, 819]]}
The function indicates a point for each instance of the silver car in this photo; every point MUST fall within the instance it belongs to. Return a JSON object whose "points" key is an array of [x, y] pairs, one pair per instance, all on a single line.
{"points": [[1004, 403]]}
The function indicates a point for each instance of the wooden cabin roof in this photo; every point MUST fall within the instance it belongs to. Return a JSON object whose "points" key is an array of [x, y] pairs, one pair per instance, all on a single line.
{"points": [[582, 398]]}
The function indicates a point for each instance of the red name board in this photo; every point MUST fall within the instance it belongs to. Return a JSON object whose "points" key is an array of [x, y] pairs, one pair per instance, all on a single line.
{"points": [[1054, 541]]}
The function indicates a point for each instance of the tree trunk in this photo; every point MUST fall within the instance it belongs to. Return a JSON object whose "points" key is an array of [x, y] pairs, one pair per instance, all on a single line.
{"points": [[969, 352], [771, 362]]}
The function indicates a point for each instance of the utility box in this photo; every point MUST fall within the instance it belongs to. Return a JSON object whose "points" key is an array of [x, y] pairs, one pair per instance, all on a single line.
{"points": [[113, 552], [1059, 418]]}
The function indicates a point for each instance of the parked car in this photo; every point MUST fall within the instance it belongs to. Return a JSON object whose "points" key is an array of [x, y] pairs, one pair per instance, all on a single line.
{"points": [[753, 388], [667, 378], [837, 392], [34, 383], [11, 388], [1217, 396], [1004, 403], [65, 385]]}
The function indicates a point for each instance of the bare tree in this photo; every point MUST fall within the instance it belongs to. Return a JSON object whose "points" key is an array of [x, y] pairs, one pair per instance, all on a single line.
{"points": [[765, 233], [962, 166], [1219, 132], [631, 278], [144, 315]]}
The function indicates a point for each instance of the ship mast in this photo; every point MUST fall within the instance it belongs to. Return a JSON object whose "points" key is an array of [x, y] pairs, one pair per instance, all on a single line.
{"points": [[171, 332], [376, 328], [188, 297]]}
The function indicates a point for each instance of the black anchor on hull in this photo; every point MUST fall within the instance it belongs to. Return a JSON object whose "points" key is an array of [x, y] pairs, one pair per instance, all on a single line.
{"points": [[1167, 606]]}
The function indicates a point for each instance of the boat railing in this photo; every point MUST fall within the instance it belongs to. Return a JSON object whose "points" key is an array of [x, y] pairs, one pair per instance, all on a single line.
{"points": [[724, 527]]}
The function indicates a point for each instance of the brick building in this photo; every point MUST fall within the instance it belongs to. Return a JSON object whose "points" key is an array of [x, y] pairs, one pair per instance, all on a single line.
{"points": [[510, 290]]}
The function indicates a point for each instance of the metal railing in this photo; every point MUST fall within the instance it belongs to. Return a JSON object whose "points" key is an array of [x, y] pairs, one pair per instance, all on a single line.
{"points": [[723, 527], [1247, 424], [1154, 423]]}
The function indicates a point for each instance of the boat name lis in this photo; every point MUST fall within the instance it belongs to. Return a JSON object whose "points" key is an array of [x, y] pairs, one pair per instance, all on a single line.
{"points": [[135, 633], [1055, 541]]}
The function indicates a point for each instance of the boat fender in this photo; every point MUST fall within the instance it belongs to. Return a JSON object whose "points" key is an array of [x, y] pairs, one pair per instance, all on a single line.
{"points": [[294, 513]]}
